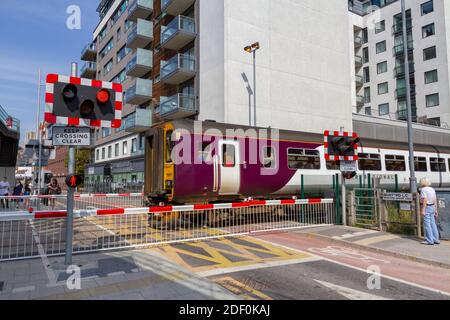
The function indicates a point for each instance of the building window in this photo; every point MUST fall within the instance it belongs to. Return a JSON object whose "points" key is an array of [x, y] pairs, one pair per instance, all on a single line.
{"points": [[381, 46], [383, 88], [366, 74], [367, 95], [110, 152], [103, 153], [432, 100], [97, 156], [366, 55], [116, 150], [382, 67], [303, 159], [119, 33], [106, 132], [133, 145], [128, 25], [141, 142], [108, 67], [428, 31], [368, 111], [431, 76], [121, 77], [380, 26], [429, 53], [125, 148], [383, 109], [122, 53], [427, 7], [365, 35], [108, 47], [102, 34]]}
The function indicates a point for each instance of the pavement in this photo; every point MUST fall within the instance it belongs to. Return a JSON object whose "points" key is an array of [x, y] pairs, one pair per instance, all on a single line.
{"points": [[324, 262]]}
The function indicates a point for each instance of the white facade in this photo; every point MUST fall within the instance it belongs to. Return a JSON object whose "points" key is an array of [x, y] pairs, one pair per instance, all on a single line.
{"points": [[129, 146], [303, 79], [440, 16]]}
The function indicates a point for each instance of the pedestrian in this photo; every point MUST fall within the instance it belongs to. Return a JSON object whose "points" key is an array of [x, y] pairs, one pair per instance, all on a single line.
{"points": [[429, 212], [17, 192], [4, 192], [27, 193], [54, 189]]}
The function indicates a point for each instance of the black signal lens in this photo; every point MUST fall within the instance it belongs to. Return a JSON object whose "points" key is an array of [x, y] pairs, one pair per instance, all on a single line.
{"points": [[70, 92], [86, 108]]}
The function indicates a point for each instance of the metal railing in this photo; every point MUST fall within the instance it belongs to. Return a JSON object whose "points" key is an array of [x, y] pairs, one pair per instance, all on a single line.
{"points": [[178, 62], [28, 235], [179, 23]]}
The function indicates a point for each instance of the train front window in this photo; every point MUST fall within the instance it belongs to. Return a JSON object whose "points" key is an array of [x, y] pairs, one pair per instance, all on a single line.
{"points": [[395, 163], [229, 155], [303, 159], [169, 146], [437, 165], [369, 162], [420, 164]]}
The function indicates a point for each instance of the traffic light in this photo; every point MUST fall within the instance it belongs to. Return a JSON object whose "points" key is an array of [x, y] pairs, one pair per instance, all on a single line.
{"points": [[48, 178], [73, 180], [83, 102], [341, 146], [349, 175]]}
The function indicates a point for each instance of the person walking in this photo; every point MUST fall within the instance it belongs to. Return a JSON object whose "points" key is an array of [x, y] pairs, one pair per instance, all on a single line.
{"points": [[54, 189], [27, 193], [17, 192], [4, 192], [429, 212]]}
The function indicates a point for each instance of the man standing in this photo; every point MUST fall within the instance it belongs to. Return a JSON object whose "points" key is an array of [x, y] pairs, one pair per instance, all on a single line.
{"points": [[429, 212], [4, 191]]}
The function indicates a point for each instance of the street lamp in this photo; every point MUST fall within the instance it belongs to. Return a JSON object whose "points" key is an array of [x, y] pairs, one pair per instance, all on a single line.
{"points": [[252, 49], [413, 180]]}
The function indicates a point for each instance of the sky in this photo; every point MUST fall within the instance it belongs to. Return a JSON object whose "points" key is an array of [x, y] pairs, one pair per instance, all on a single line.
{"points": [[33, 36]]}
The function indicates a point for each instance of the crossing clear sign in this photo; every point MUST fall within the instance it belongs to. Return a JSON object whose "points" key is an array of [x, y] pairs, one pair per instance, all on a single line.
{"points": [[71, 136]]}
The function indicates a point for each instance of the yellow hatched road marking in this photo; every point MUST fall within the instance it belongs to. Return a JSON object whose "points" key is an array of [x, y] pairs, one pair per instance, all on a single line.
{"points": [[241, 289]]}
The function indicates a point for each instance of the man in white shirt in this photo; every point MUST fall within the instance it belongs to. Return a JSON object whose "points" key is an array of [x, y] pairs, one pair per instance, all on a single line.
{"points": [[429, 212], [4, 191]]}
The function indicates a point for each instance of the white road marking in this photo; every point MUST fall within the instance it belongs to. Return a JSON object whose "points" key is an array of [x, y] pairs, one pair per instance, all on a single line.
{"points": [[360, 269], [349, 293], [354, 235], [24, 289]]}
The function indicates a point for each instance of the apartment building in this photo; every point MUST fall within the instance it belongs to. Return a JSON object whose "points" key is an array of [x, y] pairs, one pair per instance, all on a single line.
{"points": [[121, 51], [378, 69]]}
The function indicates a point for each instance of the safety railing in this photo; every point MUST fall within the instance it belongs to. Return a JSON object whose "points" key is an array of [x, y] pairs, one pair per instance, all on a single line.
{"points": [[27, 235]]}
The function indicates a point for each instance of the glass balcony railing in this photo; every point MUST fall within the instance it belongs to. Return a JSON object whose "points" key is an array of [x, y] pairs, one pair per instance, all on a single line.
{"points": [[89, 52], [180, 68], [178, 106], [89, 70], [359, 60], [140, 93], [140, 64], [11, 123], [402, 114], [359, 80], [178, 33], [398, 27], [360, 100], [139, 9], [400, 93], [176, 7], [400, 48], [139, 121], [141, 35], [399, 71]]}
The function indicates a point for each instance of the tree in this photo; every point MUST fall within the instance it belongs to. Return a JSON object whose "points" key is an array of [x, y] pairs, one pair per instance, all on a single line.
{"points": [[82, 158]]}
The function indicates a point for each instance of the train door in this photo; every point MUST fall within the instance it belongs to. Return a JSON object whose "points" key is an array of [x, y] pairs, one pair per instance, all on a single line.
{"points": [[230, 167]]}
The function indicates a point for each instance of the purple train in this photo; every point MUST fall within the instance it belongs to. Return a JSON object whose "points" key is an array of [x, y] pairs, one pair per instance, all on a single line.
{"points": [[205, 162]]}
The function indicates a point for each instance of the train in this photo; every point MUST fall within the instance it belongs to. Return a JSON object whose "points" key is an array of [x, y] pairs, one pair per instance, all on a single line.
{"points": [[193, 162]]}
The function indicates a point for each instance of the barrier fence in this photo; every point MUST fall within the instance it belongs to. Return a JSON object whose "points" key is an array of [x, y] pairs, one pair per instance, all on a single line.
{"points": [[25, 234]]}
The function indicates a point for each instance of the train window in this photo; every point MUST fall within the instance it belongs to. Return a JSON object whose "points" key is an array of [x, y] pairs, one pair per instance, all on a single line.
{"points": [[229, 155], [169, 146], [369, 162], [437, 165], [303, 159], [333, 165], [269, 157], [420, 164], [395, 163]]}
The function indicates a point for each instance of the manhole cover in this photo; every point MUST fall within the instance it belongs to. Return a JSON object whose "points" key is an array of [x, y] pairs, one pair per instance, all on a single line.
{"points": [[1, 285]]}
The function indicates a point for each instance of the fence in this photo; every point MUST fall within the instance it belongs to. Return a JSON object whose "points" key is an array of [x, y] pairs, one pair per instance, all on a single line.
{"points": [[113, 187], [26, 235]]}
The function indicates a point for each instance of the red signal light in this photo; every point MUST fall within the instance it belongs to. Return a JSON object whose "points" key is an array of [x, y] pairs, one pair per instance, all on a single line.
{"points": [[103, 96]]}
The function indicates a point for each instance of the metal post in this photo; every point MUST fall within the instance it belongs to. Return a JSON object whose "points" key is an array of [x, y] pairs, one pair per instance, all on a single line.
{"points": [[344, 203], [254, 88], [38, 127], [70, 193], [413, 180], [337, 196]]}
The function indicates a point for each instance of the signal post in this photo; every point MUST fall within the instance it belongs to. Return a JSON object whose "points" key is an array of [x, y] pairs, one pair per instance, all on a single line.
{"points": [[342, 147], [79, 104]]}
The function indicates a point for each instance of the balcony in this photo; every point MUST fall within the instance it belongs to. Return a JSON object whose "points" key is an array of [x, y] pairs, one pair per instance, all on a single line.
{"points": [[141, 35], [141, 63], [360, 100], [399, 71], [398, 27], [399, 49], [358, 41], [176, 7], [140, 9], [400, 93], [179, 106], [359, 61], [140, 93], [359, 81], [89, 52], [402, 114], [180, 32], [139, 121], [89, 70], [179, 69]]}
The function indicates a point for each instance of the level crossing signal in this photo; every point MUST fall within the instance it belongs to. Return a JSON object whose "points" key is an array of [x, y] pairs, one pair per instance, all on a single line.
{"points": [[83, 102], [74, 180], [342, 146]]}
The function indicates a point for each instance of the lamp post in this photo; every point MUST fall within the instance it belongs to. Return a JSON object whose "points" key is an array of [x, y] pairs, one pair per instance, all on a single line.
{"points": [[412, 179], [252, 49]]}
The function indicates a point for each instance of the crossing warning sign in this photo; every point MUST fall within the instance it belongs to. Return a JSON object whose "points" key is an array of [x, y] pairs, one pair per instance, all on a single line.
{"points": [[71, 136]]}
